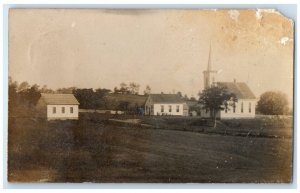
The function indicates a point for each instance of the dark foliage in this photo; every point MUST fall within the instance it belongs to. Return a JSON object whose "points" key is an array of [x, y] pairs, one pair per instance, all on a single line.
{"points": [[216, 98], [273, 103], [22, 98], [90, 99]]}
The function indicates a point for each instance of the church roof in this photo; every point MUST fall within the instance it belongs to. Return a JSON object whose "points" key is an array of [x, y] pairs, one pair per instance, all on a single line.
{"points": [[59, 99], [240, 89], [166, 98]]}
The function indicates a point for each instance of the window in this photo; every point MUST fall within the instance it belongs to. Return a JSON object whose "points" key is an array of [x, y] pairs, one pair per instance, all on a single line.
{"points": [[242, 107], [63, 109], [151, 108], [177, 108], [162, 108], [225, 110], [71, 109], [233, 107], [53, 110], [170, 108], [249, 107]]}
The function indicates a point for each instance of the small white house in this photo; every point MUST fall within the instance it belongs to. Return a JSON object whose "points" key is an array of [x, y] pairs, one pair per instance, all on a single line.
{"points": [[165, 104], [58, 106]]}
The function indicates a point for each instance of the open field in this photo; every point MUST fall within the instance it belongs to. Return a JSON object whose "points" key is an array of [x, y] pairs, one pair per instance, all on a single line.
{"points": [[157, 149]]}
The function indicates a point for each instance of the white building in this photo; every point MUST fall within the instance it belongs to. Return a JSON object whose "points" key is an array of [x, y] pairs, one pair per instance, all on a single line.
{"points": [[58, 106], [165, 104], [243, 108]]}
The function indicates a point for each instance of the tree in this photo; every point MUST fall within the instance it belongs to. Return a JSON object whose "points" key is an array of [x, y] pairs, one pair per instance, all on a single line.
{"points": [[85, 98], [134, 88], [185, 97], [65, 90], [116, 90], [273, 103], [216, 98], [44, 89], [30, 95], [147, 91], [100, 97], [124, 88], [23, 86], [193, 98], [180, 94], [34, 94], [12, 93]]}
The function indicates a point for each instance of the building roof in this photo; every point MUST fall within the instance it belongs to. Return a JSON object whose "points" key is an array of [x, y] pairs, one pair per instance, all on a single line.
{"points": [[59, 99], [166, 98], [240, 89]]}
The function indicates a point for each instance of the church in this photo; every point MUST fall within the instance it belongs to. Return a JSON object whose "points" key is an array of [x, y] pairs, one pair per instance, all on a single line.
{"points": [[246, 100]]}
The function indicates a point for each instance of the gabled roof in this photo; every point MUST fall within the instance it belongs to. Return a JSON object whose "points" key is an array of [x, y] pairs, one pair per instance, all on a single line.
{"points": [[59, 99], [166, 98], [240, 89]]}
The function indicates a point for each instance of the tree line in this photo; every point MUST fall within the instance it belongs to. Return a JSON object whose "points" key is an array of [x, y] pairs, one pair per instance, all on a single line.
{"points": [[213, 99], [26, 96]]}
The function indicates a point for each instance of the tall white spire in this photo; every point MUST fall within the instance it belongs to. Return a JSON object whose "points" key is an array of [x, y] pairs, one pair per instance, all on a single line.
{"points": [[209, 74], [209, 58]]}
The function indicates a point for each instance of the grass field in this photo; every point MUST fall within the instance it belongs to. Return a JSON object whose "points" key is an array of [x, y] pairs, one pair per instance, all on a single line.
{"points": [[160, 149]]}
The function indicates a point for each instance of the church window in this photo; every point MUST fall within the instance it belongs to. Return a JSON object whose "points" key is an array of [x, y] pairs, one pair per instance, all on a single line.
{"points": [[242, 107], [249, 107], [177, 108], [234, 108]]}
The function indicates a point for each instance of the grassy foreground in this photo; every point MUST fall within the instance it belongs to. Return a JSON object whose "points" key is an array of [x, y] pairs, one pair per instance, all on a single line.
{"points": [[93, 149]]}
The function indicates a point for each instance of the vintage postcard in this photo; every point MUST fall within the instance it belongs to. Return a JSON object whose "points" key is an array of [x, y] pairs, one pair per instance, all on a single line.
{"points": [[150, 96]]}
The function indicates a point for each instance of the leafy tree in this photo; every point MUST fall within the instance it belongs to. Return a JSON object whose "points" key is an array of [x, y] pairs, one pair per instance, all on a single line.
{"points": [[100, 97], [124, 88], [186, 97], [85, 97], [216, 98], [193, 98], [134, 88], [273, 103], [116, 90], [34, 94], [65, 90], [12, 94], [30, 96], [147, 91], [180, 94], [44, 89], [23, 86]]}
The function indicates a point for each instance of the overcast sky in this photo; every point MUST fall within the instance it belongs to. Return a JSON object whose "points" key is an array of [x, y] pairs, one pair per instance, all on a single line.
{"points": [[166, 49]]}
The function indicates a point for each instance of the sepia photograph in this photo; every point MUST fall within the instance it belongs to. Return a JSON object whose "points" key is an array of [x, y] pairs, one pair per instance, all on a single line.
{"points": [[150, 96]]}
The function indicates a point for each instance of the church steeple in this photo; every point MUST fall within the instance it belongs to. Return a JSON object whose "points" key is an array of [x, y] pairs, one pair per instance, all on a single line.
{"points": [[209, 74], [209, 59]]}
